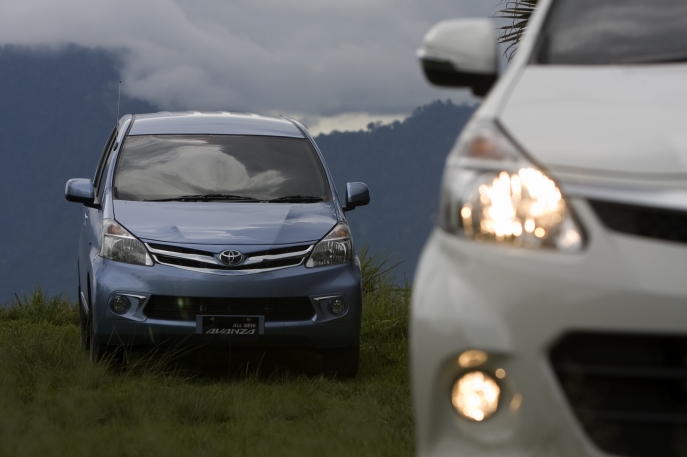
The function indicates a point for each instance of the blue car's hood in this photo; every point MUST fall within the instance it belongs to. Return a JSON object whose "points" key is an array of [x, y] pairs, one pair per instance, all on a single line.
{"points": [[226, 223]]}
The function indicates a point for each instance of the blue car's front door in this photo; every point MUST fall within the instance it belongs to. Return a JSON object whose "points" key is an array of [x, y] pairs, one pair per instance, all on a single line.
{"points": [[89, 242]]}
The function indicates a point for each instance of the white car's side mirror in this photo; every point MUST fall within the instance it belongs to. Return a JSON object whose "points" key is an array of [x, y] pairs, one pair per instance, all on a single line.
{"points": [[461, 53]]}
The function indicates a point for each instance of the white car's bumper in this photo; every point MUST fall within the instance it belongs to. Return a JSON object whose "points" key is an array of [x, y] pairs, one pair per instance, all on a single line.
{"points": [[518, 305]]}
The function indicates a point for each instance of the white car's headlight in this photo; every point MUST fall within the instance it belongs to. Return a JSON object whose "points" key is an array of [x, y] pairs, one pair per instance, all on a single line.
{"points": [[120, 245], [492, 192], [335, 248]]}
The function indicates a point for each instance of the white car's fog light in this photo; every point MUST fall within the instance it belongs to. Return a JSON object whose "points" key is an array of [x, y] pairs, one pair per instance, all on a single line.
{"points": [[475, 396], [120, 304], [492, 192]]}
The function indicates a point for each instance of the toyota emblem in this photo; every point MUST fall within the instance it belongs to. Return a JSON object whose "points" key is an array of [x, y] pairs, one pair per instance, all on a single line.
{"points": [[231, 257]]}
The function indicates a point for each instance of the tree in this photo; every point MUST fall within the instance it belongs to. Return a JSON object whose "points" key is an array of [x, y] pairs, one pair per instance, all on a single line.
{"points": [[519, 12]]}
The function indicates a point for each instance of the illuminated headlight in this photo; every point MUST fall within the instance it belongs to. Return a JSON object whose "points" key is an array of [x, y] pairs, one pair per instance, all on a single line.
{"points": [[120, 245], [475, 395], [335, 248], [491, 192]]}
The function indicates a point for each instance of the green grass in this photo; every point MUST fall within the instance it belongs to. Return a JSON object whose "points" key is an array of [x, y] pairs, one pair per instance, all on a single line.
{"points": [[53, 401]]}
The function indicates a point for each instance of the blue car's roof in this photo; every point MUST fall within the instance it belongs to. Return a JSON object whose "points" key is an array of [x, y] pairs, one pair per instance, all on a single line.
{"points": [[212, 123]]}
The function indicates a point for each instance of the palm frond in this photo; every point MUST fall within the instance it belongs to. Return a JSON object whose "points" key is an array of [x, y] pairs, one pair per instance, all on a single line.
{"points": [[519, 12]]}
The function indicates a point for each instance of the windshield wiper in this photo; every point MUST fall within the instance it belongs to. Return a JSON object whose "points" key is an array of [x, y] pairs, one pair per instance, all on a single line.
{"points": [[295, 199], [206, 198]]}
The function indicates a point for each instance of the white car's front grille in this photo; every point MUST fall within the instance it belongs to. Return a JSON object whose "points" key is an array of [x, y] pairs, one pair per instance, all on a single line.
{"points": [[658, 223], [629, 391]]}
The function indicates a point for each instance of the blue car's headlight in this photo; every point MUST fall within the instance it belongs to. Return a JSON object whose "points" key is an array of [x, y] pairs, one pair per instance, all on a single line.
{"points": [[335, 248], [120, 245]]}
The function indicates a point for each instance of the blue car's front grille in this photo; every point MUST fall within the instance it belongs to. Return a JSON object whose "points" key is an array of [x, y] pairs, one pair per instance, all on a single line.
{"points": [[209, 262], [179, 249], [175, 261], [187, 308]]}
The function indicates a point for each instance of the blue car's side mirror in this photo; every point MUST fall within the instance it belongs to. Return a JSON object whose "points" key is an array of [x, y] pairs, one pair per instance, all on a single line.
{"points": [[357, 194], [80, 191]]}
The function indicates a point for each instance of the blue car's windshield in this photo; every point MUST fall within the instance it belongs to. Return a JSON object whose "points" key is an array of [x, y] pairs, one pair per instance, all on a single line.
{"points": [[219, 168], [603, 32]]}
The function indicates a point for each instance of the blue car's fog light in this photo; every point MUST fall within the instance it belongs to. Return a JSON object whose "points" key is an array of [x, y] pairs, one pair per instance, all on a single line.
{"points": [[337, 307], [120, 304], [334, 306]]}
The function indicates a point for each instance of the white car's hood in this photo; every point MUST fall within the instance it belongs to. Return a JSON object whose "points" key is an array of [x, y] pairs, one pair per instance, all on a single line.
{"points": [[616, 119]]}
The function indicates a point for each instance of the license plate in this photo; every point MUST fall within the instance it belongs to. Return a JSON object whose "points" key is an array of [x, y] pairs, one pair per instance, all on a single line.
{"points": [[239, 328]]}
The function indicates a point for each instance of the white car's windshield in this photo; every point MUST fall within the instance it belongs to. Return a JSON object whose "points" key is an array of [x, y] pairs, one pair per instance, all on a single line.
{"points": [[219, 168], [601, 32]]}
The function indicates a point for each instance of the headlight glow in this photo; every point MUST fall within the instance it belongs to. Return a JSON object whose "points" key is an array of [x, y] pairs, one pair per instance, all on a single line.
{"points": [[472, 358], [475, 396], [491, 192], [120, 245], [335, 248]]}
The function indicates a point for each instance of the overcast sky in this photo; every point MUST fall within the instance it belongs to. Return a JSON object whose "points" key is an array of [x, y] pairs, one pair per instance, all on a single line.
{"points": [[324, 62]]}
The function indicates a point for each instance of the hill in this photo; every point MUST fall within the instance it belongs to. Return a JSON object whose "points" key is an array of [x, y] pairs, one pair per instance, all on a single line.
{"points": [[56, 109]]}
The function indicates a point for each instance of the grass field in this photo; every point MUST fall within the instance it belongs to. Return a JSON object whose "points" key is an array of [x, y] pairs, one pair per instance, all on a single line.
{"points": [[54, 402]]}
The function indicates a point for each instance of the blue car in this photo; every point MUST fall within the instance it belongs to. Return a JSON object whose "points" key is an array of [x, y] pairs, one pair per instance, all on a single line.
{"points": [[217, 229]]}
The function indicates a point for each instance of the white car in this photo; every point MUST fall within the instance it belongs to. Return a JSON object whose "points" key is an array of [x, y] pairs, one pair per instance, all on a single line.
{"points": [[549, 314]]}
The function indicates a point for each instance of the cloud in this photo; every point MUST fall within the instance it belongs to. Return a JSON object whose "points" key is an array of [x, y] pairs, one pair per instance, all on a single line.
{"points": [[305, 58], [347, 122]]}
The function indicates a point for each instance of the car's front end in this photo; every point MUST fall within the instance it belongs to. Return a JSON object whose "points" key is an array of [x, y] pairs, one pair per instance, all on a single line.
{"points": [[218, 229], [295, 304], [548, 311], [589, 349]]}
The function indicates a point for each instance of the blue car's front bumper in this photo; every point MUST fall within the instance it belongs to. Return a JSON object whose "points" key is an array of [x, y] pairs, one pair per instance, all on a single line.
{"points": [[322, 330]]}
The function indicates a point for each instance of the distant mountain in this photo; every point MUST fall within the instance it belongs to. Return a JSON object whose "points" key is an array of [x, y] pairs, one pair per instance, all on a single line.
{"points": [[56, 110], [58, 106]]}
